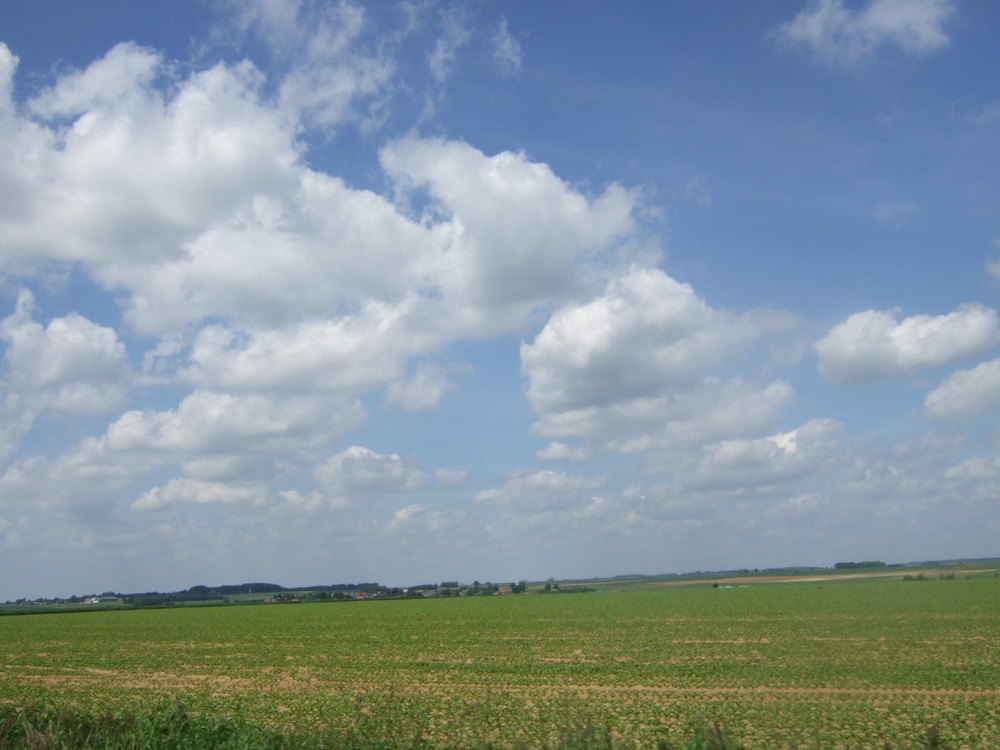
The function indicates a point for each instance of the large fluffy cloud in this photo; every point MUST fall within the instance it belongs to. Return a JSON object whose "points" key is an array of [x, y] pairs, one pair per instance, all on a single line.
{"points": [[312, 248], [638, 367], [646, 334], [118, 175], [192, 200], [516, 231], [217, 436], [351, 353], [874, 344], [71, 364]]}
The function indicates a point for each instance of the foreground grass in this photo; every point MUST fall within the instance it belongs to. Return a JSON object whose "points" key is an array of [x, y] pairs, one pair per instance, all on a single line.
{"points": [[173, 728]]}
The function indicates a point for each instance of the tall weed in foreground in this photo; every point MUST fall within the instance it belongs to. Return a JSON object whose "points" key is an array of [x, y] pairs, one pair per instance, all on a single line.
{"points": [[45, 728]]}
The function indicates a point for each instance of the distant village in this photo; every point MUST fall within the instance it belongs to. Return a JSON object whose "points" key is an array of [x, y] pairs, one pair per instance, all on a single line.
{"points": [[270, 593]]}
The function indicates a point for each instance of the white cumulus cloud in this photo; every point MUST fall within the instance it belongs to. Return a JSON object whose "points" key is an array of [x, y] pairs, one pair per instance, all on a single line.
{"points": [[750, 464], [874, 344], [71, 364], [125, 72], [361, 473], [138, 171], [542, 491], [635, 368], [966, 393], [516, 232]]}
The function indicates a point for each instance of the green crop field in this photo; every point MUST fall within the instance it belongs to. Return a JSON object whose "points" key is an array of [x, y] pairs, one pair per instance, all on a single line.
{"points": [[783, 665]]}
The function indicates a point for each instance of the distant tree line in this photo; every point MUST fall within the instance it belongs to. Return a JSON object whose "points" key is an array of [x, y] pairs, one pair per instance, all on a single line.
{"points": [[215, 593], [862, 564], [276, 592], [555, 588]]}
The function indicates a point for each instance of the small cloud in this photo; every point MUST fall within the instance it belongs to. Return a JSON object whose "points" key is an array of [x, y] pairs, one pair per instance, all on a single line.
{"points": [[988, 114], [993, 267], [193, 491], [930, 443], [425, 388], [894, 211], [541, 491], [424, 522], [562, 452], [454, 37], [873, 344], [360, 472], [975, 468], [449, 478], [843, 37], [966, 393], [507, 50], [697, 190], [808, 503], [328, 78]]}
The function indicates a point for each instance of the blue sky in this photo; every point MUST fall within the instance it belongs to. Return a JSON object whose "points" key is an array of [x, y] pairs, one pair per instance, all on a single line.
{"points": [[312, 292]]}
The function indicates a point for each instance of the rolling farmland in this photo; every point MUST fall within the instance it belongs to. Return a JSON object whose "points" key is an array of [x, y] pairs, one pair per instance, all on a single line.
{"points": [[838, 665]]}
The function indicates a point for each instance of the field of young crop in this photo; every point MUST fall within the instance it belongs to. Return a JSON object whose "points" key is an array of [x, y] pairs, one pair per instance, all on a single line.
{"points": [[828, 665]]}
